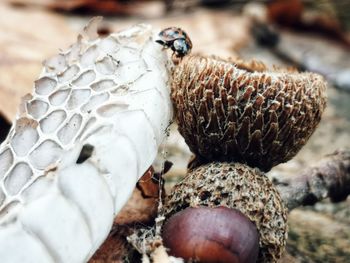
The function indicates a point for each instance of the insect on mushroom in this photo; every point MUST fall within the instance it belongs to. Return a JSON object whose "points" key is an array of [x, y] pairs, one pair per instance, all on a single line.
{"points": [[75, 151], [176, 39], [239, 119]]}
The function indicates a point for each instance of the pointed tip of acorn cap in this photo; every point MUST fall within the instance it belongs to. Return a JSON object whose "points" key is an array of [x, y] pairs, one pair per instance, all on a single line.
{"points": [[240, 187], [243, 112]]}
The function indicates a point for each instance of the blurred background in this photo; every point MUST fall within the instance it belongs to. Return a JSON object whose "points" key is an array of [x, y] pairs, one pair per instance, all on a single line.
{"points": [[311, 35]]}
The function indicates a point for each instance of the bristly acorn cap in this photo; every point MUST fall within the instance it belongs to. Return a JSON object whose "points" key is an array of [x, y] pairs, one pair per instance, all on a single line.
{"points": [[243, 112], [240, 187]]}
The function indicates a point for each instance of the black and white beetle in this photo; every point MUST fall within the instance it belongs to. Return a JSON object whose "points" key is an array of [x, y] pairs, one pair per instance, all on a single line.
{"points": [[176, 39]]}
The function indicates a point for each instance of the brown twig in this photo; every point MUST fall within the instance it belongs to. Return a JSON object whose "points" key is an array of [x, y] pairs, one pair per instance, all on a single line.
{"points": [[329, 178]]}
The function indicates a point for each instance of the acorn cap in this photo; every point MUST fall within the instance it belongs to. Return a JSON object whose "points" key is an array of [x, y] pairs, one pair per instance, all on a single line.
{"points": [[240, 187], [244, 112]]}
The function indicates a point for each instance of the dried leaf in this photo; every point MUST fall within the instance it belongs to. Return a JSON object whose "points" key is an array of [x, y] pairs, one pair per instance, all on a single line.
{"points": [[91, 6], [148, 184]]}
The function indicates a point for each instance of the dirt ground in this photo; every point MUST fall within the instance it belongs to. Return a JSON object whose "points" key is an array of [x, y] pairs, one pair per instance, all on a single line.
{"points": [[320, 233]]}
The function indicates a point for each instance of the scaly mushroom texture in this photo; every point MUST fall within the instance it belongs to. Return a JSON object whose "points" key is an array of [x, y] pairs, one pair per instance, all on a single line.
{"points": [[244, 112]]}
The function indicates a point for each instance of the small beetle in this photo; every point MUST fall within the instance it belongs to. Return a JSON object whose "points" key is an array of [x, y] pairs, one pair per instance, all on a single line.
{"points": [[176, 39]]}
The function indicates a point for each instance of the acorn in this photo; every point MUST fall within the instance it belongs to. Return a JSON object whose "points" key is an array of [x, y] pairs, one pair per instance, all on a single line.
{"points": [[235, 186], [208, 234], [243, 112]]}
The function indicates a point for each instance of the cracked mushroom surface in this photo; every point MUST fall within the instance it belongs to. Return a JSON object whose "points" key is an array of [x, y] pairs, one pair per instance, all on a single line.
{"points": [[76, 144], [244, 112], [241, 187]]}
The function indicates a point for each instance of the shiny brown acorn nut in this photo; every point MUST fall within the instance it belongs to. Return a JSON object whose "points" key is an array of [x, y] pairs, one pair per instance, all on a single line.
{"points": [[244, 112], [206, 234], [240, 187]]}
